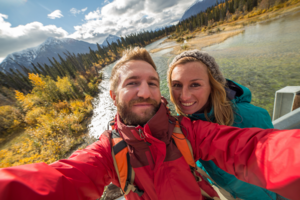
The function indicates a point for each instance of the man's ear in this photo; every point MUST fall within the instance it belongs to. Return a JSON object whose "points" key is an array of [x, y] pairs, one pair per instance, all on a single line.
{"points": [[113, 97]]}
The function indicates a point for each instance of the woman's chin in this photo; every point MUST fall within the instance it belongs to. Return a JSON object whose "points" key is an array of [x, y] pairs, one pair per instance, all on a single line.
{"points": [[188, 111]]}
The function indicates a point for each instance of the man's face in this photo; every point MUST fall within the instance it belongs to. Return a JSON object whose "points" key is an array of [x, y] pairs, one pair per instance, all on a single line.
{"points": [[138, 95]]}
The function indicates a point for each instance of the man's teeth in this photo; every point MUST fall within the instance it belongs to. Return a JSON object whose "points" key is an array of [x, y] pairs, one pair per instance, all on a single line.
{"points": [[187, 104]]}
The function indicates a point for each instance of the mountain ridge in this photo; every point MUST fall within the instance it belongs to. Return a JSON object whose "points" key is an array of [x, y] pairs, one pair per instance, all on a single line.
{"points": [[51, 47], [196, 8]]}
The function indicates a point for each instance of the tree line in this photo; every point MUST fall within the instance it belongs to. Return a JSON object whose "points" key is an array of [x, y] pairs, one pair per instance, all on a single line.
{"points": [[222, 11], [72, 64]]}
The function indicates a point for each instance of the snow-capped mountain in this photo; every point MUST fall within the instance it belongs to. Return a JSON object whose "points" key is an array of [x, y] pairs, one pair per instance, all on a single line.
{"points": [[48, 49], [110, 38], [197, 7]]}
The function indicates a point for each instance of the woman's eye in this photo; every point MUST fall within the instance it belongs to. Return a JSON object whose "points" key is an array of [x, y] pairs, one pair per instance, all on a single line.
{"points": [[176, 85], [195, 85]]}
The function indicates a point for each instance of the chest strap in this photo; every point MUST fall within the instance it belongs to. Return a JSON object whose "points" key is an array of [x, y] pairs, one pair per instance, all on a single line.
{"points": [[122, 165]]}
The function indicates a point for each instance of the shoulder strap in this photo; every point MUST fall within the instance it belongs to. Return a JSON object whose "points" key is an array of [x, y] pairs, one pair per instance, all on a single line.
{"points": [[122, 164], [183, 145], [186, 150]]}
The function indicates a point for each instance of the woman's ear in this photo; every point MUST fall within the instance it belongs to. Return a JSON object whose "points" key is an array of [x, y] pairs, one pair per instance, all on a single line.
{"points": [[113, 97]]}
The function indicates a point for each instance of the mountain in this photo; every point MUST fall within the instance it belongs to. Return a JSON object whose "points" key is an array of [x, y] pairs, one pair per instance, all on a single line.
{"points": [[48, 49], [197, 7], [110, 38]]}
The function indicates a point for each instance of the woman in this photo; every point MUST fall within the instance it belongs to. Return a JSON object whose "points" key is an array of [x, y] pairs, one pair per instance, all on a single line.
{"points": [[199, 91]]}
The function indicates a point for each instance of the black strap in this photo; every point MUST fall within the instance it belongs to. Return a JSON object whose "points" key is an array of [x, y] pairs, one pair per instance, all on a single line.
{"points": [[119, 147], [129, 167]]}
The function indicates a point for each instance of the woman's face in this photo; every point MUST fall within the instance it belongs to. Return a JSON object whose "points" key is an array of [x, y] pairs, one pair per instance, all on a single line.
{"points": [[190, 87]]}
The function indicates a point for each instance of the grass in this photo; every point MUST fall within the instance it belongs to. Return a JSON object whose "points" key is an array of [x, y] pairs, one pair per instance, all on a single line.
{"points": [[206, 40], [263, 76]]}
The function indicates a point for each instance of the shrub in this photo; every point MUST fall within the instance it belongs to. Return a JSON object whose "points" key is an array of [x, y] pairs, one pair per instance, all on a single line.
{"points": [[184, 46], [234, 17], [32, 115], [10, 118], [180, 39]]}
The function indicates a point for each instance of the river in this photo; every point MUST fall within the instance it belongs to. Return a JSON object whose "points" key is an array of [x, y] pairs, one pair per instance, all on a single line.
{"points": [[265, 58]]}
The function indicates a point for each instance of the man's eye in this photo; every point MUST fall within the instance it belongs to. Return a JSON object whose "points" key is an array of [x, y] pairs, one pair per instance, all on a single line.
{"points": [[153, 84], [132, 83]]}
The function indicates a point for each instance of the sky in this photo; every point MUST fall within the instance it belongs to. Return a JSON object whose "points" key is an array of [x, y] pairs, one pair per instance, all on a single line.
{"points": [[28, 23]]}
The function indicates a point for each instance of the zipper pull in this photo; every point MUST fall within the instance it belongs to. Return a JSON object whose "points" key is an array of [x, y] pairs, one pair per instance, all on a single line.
{"points": [[141, 133]]}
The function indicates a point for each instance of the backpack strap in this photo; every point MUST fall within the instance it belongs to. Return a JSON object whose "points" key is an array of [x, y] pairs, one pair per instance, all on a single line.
{"points": [[186, 150], [122, 164]]}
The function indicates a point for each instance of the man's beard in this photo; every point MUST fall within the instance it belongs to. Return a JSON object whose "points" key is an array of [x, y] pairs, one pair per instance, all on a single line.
{"points": [[131, 118]]}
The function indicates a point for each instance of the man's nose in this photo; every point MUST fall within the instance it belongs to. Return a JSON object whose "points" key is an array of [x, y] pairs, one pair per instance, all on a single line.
{"points": [[144, 91], [185, 94]]}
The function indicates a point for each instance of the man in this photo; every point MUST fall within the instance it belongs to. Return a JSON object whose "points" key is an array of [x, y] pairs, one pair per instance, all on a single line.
{"points": [[266, 158]]}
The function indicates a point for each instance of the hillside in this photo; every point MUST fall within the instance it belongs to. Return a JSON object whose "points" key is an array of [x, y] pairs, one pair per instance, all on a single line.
{"points": [[197, 7], [48, 49]]}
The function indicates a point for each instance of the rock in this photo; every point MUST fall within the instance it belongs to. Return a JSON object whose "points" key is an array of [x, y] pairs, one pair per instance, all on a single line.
{"points": [[112, 192]]}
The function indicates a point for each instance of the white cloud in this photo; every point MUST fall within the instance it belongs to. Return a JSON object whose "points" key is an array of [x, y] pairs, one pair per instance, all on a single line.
{"points": [[122, 17], [17, 38], [74, 11], [93, 15], [118, 17], [55, 14], [106, 1]]}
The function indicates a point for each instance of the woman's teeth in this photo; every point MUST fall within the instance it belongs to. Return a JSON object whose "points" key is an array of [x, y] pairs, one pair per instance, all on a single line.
{"points": [[187, 104]]}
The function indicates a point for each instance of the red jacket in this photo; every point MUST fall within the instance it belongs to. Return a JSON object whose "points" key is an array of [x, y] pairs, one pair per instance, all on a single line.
{"points": [[267, 158]]}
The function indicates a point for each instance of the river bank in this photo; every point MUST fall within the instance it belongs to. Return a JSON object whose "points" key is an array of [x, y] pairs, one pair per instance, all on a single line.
{"points": [[221, 31]]}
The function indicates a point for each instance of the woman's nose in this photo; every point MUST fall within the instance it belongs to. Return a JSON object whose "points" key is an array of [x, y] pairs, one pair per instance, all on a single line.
{"points": [[185, 94]]}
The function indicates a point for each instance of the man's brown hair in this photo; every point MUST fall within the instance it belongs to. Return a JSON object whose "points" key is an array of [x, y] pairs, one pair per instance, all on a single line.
{"points": [[136, 53]]}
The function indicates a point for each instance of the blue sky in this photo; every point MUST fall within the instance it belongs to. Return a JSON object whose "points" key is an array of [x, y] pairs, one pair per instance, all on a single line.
{"points": [[24, 12], [28, 23]]}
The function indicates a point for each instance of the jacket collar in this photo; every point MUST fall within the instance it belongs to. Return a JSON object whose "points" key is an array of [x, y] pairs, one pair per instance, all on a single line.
{"points": [[157, 127]]}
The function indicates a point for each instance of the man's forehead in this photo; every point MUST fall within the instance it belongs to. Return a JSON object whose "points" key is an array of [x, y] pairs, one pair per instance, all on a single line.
{"points": [[138, 69]]}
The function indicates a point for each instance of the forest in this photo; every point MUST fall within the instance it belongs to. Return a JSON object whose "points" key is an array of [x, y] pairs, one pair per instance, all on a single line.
{"points": [[44, 109], [50, 104], [227, 11]]}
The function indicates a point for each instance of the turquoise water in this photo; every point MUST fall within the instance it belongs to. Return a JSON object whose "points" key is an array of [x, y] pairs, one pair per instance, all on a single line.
{"points": [[265, 58]]}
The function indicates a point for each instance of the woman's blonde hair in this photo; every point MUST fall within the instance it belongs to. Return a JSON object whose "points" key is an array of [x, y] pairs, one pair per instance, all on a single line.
{"points": [[223, 108]]}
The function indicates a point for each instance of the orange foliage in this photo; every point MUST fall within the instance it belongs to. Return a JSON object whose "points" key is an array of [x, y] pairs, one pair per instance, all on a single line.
{"points": [[37, 81]]}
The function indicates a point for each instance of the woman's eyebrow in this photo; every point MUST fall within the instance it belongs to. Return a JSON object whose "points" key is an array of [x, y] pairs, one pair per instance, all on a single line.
{"points": [[197, 79]]}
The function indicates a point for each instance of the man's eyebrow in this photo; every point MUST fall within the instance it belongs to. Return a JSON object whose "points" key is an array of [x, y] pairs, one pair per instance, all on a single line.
{"points": [[137, 77], [154, 78], [132, 77]]}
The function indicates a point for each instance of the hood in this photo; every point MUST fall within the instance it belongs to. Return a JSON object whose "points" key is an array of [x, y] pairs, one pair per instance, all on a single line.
{"points": [[242, 93]]}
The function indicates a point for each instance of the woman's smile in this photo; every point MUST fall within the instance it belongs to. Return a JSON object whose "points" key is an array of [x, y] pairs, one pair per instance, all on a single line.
{"points": [[190, 87], [188, 104]]}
